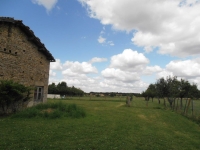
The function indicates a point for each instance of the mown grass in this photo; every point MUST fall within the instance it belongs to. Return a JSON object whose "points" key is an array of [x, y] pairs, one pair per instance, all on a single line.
{"points": [[108, 125]]}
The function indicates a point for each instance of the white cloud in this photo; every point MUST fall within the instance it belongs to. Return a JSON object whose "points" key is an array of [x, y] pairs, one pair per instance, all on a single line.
{"points": [[117, 74], [53, 80], [56, 65], [124, 72], [186, 68], [129, 60], [48, 4], [111, 43], [164, 74], [83, 82], [101, 39], [120, 86], [110, 80], [76, 74], [82, 68], [51, 73], [152, 69], [96, 59], [172, 26]]}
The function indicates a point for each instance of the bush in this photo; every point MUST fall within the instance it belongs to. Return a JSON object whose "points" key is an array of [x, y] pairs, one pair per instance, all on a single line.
{"points": [[12, 96], [52, 111]]}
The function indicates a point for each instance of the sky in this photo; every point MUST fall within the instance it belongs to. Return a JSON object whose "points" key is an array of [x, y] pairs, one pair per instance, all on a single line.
{"points": [[114, 45]]}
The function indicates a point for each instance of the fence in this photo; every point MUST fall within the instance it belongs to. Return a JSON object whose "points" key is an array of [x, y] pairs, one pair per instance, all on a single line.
{"points": [[188, 107]]}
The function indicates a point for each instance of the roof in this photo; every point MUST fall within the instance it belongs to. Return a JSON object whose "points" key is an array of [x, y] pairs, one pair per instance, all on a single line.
{"points": [[31, 36]]}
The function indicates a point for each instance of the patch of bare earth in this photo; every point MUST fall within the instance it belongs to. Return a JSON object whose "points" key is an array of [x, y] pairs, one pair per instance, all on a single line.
{"points": [[48, 110]]}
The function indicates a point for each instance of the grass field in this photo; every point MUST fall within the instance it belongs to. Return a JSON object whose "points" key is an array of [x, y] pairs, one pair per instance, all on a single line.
{"points": [[108, 124]]}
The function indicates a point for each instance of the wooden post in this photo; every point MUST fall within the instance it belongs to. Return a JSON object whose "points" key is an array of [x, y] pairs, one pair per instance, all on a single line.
{"points": [[174, 104], [177, 104], [188, 105], [185, 107], [192, 107]]}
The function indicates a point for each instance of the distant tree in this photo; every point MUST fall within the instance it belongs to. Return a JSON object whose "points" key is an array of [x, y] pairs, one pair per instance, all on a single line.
{"points": [[64, 90], [145, 95], [193, 91], [171, 88], [161, 89], [151, 91], [52, 89], [184, 90], [112, 94]]}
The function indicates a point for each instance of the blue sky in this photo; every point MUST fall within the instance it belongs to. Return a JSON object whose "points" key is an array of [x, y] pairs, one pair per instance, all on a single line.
{"points": [[114, 46]]}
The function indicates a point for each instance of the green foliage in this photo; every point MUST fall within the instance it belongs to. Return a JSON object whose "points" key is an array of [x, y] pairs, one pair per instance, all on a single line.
{"points": [[112, 94], [63, 90], [52, 89], [97, 95], [172, 88], [12, 96], [51, 110]]}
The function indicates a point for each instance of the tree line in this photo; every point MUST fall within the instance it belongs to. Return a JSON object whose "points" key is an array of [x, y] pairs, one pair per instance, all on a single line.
{"points": [[63, 90], [170, 89]]}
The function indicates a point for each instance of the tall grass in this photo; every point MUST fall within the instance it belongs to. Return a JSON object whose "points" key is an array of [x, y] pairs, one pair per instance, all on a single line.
{"points": [[51, 110]]}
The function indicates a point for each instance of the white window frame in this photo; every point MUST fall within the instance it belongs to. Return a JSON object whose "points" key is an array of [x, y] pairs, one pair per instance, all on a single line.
{"points": [[38, 93]]}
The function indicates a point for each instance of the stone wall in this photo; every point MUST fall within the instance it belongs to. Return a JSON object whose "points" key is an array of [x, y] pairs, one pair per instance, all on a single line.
{"points": [[20, 59]]}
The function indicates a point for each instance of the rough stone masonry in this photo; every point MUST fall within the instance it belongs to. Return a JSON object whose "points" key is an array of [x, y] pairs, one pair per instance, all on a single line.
{"points": [[23, 58]]}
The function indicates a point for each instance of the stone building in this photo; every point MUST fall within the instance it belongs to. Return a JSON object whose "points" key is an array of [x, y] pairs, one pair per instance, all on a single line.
{"points": [[23, 58]]}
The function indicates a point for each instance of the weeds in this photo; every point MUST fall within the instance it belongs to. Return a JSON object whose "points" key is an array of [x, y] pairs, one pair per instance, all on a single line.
{"points": [[52, 111]]}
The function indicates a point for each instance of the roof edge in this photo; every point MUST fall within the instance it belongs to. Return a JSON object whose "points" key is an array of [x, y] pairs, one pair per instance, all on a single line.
{"points": [[31, 36]]}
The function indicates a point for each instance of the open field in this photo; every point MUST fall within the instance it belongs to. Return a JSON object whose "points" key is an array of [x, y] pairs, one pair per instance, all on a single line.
{"points": [[108, 124]]}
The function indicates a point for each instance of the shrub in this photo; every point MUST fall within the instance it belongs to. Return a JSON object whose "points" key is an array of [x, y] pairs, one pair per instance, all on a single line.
{"points": [[12, 96]]}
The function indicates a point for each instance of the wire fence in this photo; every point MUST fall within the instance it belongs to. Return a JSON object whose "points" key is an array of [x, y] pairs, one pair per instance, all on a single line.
{"points": [[187, 107]]}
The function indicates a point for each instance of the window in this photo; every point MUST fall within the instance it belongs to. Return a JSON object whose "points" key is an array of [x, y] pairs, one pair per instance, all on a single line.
{"points": [[38, 93]]}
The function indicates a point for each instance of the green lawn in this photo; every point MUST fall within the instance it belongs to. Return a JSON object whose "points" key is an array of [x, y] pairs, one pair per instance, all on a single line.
{"points": [[108, 124]]}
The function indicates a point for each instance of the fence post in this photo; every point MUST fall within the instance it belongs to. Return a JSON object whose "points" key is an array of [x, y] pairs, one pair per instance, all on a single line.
{"points": [[174, 104], [185, 106], [177, 104], [188, 105], [192, 107]]}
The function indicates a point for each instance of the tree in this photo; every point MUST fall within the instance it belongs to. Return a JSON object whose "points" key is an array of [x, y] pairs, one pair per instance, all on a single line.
{"points": [[183, 90], [112, 94], [62, 88], [171, 88], [193, 91], [52, 89], [161, 89], [145, 95], [151, 91]]}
